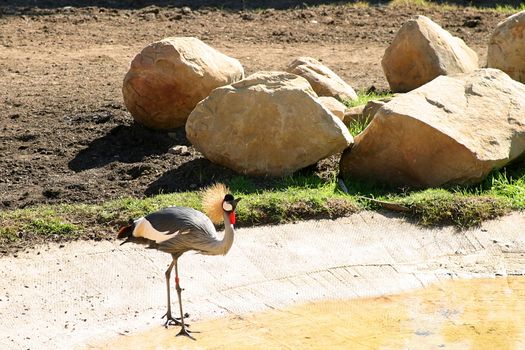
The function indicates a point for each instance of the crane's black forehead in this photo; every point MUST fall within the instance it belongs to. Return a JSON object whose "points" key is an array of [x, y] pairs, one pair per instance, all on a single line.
{"points": [[228, 197]]}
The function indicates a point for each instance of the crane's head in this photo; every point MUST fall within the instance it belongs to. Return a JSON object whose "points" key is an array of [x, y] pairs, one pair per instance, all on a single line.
{"points": [[216, 200], [228, 205]]}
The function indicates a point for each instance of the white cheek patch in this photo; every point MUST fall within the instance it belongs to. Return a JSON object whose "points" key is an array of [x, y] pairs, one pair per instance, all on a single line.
{"points": [[227, 206]]}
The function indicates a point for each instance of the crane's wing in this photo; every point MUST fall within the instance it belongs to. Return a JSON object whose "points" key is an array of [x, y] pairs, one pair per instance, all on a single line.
{"points": [[181, 220], [191, 230]]}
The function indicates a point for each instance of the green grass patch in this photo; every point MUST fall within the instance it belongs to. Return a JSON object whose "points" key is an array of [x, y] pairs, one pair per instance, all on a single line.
{"points": [[358, 4], [409, 2], [357, 126], [52, 226], [294, 203], [442, 207], [364, 96], [462, 206], [292, 198], [451, 6], [508, 9]]}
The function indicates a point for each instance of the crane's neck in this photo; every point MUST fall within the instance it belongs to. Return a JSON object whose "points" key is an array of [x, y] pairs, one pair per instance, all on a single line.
{"points": [[226, 243]]}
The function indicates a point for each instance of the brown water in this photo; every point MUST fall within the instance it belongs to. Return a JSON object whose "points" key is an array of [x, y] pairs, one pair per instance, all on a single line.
{"points": [[469, 314]]}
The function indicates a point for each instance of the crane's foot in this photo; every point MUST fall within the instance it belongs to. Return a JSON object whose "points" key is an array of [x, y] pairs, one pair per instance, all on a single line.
{"points": [[174, 321], [186, 333]]}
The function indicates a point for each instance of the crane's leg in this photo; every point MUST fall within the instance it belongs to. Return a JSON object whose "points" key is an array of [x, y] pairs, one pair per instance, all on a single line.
{"points": [[183, 330], [170, 321]]}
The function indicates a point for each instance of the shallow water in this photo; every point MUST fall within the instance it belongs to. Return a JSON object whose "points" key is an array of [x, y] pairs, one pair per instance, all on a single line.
{"points": [[468, 314]]}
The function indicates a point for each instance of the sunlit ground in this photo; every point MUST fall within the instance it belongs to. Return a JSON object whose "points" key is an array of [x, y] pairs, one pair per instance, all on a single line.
{"points": [[469, 314]]}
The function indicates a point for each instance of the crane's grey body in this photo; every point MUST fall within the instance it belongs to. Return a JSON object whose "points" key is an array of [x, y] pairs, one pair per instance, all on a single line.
{"points": [[195, 231]]}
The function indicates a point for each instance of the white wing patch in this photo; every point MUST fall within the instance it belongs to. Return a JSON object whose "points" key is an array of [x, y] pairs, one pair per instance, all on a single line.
{"points": [[144, 229]]}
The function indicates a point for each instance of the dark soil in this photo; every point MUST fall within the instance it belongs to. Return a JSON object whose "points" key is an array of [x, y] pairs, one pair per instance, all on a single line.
{"points": [[65, 135]]}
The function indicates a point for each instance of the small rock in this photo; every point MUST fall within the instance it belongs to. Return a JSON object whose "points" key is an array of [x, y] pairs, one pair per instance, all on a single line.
{"points": [[372, 107], [353, 113], [247, 17], [51, 193], [472, 22], [323, 80], [101, 118], [180, 150]]}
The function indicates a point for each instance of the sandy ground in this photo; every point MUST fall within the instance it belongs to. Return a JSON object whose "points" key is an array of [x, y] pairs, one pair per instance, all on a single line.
{"points": [[481, 314], [85, 293]]}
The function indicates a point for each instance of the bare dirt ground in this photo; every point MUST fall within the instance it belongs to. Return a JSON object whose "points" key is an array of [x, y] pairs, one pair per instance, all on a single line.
{"points": [[65, 135]]}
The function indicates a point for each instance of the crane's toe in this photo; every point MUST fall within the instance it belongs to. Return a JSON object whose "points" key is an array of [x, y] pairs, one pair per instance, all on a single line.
{"points": [[174, 321], [186, 333]]}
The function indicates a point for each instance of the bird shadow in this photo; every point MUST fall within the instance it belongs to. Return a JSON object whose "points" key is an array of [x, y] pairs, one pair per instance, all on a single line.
{"points": [[126, 144]]}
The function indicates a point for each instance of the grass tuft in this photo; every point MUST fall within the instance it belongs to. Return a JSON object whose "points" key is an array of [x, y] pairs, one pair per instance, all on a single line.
{"points": [[293, 203], [364, 96], [508, 9], [357, 126], [49, 227], [501, 184], [441, 207], [360, 4], [409, 3], [502, 8], [298, 197]]}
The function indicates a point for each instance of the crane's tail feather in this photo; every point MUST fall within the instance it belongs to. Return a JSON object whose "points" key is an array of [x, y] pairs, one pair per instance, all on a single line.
{"points": [[126, 232]]}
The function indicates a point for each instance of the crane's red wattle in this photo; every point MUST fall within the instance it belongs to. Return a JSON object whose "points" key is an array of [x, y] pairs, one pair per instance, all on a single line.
{"points": [[232, 218]]}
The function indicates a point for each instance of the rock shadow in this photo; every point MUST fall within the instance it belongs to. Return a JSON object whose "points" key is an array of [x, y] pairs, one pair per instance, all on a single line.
{"points": [[200, 172], [126, 144], [192, 175]]}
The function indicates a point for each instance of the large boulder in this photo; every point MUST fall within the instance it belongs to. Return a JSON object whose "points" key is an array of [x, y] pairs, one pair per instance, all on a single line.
{"points": [[453, 130], [506, 49], [421, 51], [169, 77], [323, 80], [271, 123]]}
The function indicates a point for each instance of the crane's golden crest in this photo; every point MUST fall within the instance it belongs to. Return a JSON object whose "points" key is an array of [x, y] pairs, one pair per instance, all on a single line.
{"points": [[212, 199]]}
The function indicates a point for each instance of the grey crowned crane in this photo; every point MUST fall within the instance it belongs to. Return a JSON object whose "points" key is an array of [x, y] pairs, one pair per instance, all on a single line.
{"points": [[176, 230]]}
